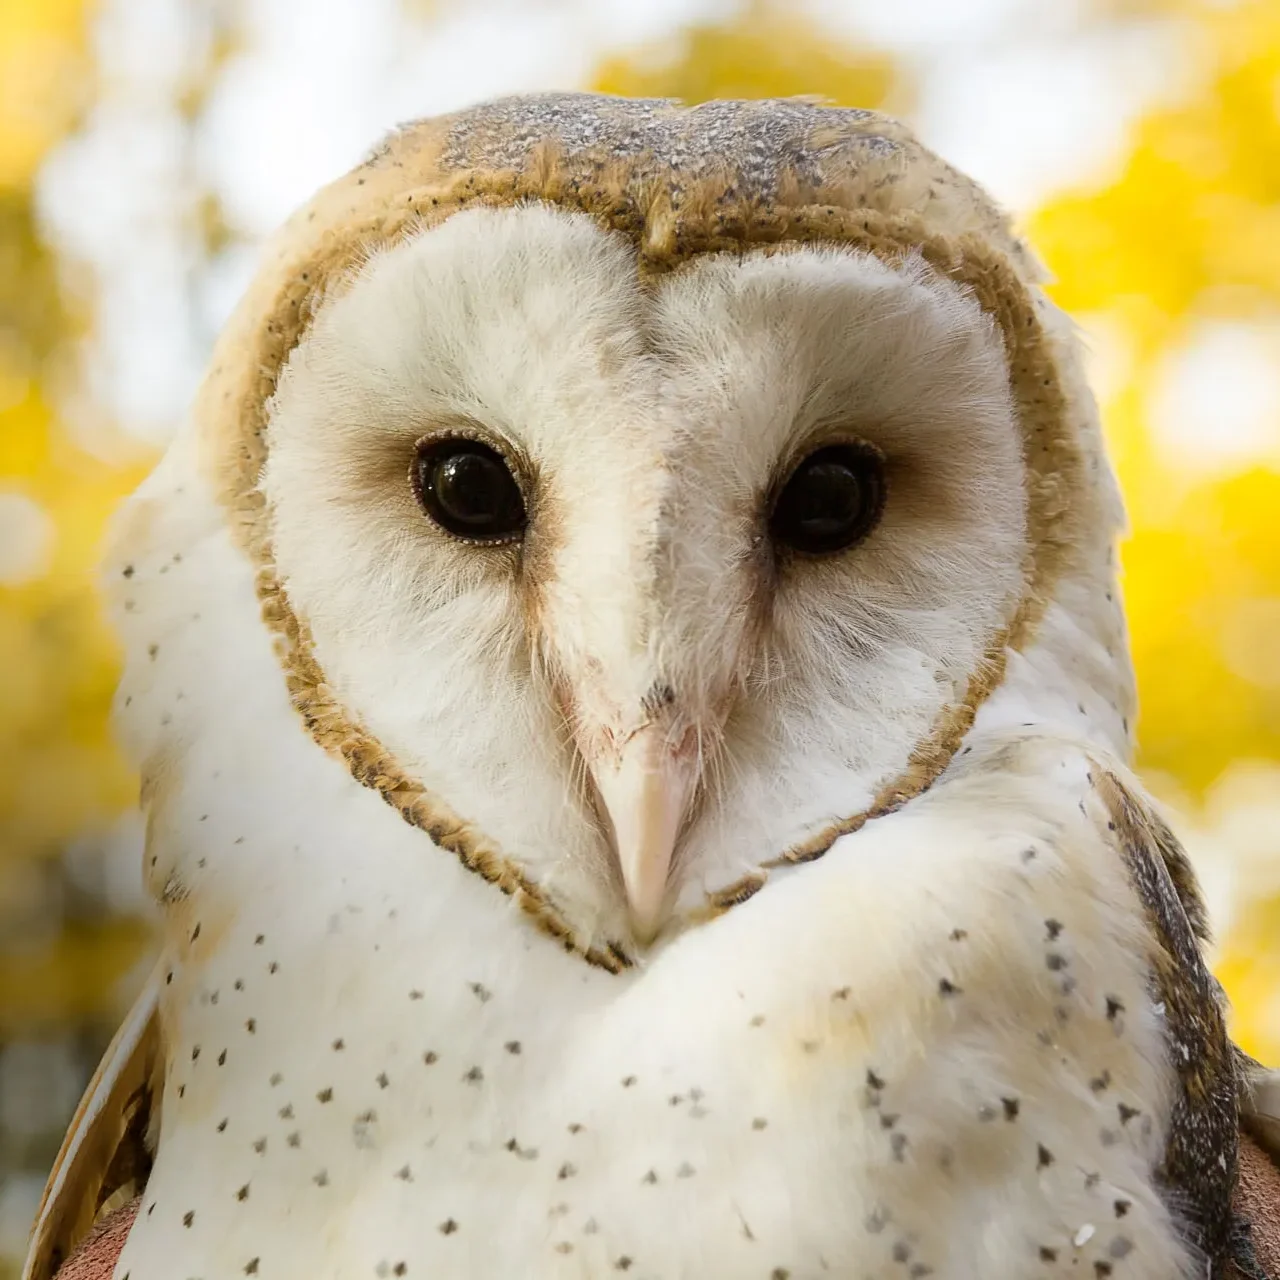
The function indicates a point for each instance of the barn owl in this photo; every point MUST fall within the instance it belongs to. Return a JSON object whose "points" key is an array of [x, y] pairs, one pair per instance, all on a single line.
{"points": [[631, 697]]}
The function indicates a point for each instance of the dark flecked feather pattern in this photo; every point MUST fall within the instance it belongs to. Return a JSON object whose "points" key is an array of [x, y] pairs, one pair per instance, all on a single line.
{"points": [[1200, 1165], [759, 140]]}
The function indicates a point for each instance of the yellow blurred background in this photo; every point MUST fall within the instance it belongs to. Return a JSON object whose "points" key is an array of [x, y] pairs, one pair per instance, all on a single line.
{"points": [[146, 146]]}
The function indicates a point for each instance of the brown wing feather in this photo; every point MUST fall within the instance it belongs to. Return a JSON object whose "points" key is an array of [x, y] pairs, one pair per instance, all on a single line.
{"points": [[1200, 1164], [106, 1155]]}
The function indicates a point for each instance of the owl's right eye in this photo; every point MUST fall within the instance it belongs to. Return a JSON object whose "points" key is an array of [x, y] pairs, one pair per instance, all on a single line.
{"points": [[467, 488]]}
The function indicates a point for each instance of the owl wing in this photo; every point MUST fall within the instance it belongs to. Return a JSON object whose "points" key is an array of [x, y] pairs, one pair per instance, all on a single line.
{"points": [[106, 1155], [1200, 1164], [1222, 1158]]}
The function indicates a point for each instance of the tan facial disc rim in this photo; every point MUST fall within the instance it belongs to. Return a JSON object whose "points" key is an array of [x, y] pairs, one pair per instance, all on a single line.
{"points": [[1053, 461]]}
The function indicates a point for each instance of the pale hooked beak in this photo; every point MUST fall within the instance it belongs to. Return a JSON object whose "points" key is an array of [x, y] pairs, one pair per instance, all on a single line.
{"points": [[645, 789]]}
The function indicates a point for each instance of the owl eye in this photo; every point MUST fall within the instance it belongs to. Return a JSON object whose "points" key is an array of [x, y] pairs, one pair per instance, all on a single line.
{"points": [[831, 500], [468, 490]]}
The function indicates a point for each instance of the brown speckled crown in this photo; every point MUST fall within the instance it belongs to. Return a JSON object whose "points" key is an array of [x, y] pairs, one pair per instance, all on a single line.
{"points": [[724, 177]]}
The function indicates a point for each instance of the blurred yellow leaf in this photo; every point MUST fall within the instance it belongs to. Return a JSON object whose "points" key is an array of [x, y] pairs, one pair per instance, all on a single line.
{"points": [[765, 52], [62, 777], [44, 80], [1250, 970]]}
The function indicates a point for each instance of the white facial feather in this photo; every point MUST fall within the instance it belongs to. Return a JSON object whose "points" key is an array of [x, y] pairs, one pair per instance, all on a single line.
{"points": [[860, 653], [652, 430]]}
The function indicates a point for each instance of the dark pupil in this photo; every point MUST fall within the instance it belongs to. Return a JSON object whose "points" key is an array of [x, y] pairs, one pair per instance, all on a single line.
{"points": [[467, 488], [831, 500]]}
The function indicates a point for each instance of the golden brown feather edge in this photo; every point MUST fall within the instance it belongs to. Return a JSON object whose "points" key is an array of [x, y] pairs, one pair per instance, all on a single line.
{"points": [[106, 1156], [109, 1147], [1219, 1088]]}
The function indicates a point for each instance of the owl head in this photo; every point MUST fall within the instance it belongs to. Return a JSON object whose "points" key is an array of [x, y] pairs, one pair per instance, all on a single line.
{"points": [[639, 497]]}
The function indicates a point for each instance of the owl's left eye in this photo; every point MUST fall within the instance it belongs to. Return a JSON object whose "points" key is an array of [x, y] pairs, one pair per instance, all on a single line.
{"points": [[831, 500], [468, 490]]}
